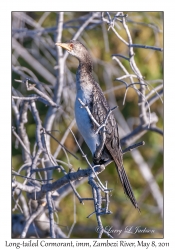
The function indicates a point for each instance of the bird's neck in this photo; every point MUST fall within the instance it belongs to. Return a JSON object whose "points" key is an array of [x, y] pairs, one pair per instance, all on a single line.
{"points": [[84, 75], [84, 81]]}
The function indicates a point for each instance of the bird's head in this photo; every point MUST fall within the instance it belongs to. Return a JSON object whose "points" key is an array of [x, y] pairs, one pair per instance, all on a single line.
{"points": [[75, 48]]}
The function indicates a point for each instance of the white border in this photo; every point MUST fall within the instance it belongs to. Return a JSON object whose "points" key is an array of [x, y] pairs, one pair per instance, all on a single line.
{"points": [[5, 98]]}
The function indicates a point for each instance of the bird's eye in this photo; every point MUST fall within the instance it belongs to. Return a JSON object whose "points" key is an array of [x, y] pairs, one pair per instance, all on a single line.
{"points": [[71, 46]]}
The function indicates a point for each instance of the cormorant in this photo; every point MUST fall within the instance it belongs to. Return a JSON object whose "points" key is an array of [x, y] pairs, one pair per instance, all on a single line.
{"points": [[90, 93]]}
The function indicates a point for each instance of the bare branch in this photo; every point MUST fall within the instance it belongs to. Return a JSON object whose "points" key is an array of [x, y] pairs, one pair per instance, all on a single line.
{"points": [[145, 47], [21, 142], [136, 145], [31, 219], [33, 62], [38, 193], [50, 208]]}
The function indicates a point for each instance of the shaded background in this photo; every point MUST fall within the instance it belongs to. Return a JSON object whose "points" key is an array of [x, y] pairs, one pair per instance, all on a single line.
{"points": [[36, 32]]}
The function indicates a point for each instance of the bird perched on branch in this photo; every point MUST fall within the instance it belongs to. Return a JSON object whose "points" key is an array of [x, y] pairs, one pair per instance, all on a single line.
{"points": [[104, 145]]}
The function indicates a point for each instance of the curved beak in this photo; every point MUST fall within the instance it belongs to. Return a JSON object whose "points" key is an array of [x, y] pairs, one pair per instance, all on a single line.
{"points": [[64, 46]]}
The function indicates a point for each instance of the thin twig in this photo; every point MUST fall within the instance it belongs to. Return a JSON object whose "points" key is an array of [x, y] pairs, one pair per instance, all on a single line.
{"points": [[29, 178], [39, 210], [89, 112], [45, 169], [51, 217], [64, 138], [126, 58], [21, 142], [76, 193], [89, 164], [145, 47], [132, 147], [105, 120], [38, 124], [36, 65], [61, 144], [75, 220]]}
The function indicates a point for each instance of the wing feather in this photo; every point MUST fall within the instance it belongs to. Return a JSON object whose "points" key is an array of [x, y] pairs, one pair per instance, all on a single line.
{"points": [[112, 147], [100, 109]]}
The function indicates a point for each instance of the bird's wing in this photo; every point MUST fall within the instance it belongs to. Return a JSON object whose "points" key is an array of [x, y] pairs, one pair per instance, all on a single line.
{"points": [[99, 111]]}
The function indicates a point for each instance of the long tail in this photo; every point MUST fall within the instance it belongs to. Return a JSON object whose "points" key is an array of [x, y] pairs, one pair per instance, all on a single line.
{"points": [[127, 186]]}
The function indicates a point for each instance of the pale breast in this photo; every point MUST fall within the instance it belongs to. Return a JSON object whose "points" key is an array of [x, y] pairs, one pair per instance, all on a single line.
{"points": [[84, 122]]}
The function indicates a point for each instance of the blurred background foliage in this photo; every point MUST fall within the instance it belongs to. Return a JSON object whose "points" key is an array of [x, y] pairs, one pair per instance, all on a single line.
{"points": [[146, 28]]}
